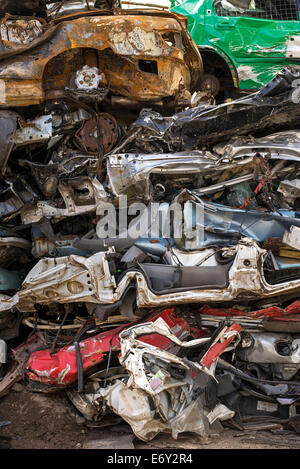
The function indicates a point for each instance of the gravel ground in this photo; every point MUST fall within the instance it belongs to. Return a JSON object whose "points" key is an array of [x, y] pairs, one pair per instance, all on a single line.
{"points": [[40, 421]]}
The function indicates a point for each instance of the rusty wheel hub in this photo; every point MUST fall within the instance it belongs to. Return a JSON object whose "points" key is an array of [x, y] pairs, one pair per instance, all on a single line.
{"points": [[210, 84], [87, 136]]}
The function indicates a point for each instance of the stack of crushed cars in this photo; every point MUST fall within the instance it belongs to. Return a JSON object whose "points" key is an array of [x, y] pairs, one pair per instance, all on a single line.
{"points": [[149, 238]]}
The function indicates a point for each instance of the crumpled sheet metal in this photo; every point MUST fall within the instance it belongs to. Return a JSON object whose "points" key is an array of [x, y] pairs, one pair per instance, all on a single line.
{"points": [[206, 124], [130, 338], [272, 312], [281, 145], [129, 35], [92, 195], [292, 237], [68, 279], [60, 368], [130, 174], [223, 224], [20, 31], [79, 279], [154, 338], [175, 410], [21, 355], [123, 401], [272, 318], [221, 344], [246, 280], [8, 126], [220, 412], [263, 349], [290, 189]]}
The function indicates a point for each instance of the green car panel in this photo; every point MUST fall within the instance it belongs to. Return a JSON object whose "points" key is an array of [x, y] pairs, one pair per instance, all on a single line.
{"points": [[253, 43]]}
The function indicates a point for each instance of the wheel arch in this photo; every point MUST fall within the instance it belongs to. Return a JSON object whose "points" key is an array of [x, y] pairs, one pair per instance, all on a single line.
{"points": [[217, 58]]}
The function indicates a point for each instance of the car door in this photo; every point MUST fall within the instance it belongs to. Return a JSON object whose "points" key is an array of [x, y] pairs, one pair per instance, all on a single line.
{"points": [[256, 39]]}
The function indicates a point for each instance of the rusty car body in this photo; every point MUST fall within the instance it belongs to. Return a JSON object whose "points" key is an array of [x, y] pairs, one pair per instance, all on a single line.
{"points": [[141, 55]]}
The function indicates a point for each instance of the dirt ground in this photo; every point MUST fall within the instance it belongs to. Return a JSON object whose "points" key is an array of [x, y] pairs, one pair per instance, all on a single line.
{"points": [[40, 421]]}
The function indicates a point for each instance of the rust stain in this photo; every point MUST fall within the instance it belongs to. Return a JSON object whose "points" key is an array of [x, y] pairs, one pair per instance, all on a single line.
{"points": [[132, 51]]}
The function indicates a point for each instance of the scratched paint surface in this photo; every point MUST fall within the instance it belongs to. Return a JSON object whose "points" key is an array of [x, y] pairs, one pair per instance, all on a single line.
{"points": [[254, 48], [60, 369]]}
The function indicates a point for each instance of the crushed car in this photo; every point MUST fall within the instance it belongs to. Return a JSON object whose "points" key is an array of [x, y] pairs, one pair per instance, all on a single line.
{"points": [[149, 238], [239, 53]]}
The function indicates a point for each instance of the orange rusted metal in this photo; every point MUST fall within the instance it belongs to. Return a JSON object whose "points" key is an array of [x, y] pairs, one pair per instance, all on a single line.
{"points": [[87, 136], [143, 56]]}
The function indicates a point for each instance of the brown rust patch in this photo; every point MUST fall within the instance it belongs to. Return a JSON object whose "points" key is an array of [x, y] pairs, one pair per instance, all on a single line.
{"points": [[123, 47]]}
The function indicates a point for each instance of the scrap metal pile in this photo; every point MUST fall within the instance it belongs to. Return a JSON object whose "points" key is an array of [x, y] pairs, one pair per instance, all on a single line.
{"points": [[149, 239]]}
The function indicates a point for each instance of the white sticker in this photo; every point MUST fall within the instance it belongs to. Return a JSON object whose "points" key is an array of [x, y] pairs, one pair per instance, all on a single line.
{"points": [[267, 406]]}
